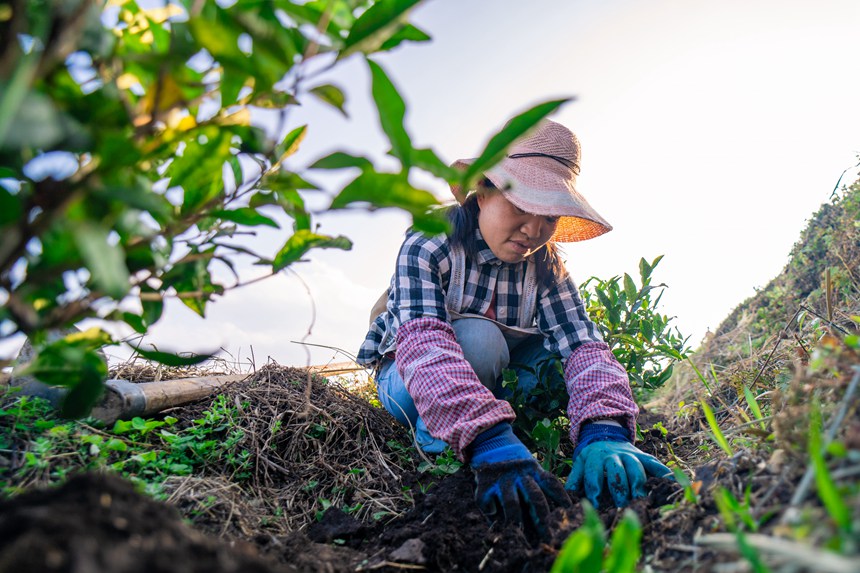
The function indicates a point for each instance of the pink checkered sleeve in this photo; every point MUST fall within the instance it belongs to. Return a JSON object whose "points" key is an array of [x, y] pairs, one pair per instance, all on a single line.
{"points": [[453, 403], [598, 388]]}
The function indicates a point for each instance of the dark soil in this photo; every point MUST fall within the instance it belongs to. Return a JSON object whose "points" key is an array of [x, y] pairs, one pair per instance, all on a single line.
{"points": [[100, 523]]}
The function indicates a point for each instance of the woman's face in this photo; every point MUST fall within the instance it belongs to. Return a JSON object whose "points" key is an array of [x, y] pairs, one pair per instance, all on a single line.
{"points": [[512, 234]]}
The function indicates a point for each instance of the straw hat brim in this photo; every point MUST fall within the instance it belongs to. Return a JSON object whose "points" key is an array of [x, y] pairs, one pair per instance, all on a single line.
{"points": [[539, 188]]}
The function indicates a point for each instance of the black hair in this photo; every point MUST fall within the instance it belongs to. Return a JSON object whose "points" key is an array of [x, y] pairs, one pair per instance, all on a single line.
{"points": [[464, 221]]}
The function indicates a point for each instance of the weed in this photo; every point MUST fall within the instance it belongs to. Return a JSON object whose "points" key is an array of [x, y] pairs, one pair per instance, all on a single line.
{"points": [[735, 513], [324, 504], [586, 549], [826, 487], [716, 432], [754, 407], [690, 491], [446, 463]]}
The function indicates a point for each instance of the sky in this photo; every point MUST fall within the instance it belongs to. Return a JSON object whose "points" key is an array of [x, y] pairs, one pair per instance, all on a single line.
{"points": [[711, 132]]}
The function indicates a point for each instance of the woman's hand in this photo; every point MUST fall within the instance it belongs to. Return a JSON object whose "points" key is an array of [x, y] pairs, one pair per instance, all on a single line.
{"points": [[620, 465], [511, 485]]}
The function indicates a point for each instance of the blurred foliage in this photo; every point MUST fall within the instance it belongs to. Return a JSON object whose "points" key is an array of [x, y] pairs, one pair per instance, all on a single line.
{"points": [[134, 161]]}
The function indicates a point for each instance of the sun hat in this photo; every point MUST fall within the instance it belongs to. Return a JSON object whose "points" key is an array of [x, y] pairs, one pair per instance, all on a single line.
{"points": [[539, 176]]}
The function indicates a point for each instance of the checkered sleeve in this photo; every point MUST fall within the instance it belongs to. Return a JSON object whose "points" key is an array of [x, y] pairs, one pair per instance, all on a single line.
{"points": [[453, 403], [597, 384], [598, 388]]}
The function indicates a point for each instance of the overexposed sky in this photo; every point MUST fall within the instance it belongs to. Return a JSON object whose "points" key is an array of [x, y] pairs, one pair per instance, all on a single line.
{"points": [[711, 131]]}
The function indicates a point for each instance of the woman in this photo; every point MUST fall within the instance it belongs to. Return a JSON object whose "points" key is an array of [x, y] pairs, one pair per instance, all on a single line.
{"points": [[462, 307]]}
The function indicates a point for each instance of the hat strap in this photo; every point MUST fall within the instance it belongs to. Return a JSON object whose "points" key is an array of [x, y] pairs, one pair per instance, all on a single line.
{"points": [[564, 161]]}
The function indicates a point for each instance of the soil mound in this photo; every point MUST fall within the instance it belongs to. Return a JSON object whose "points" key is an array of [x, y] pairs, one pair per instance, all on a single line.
{"points": [[98, 522]]}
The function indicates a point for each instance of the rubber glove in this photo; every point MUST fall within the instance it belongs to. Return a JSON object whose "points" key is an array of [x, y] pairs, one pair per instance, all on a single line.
{"points": [[510, 481], [605, 455]]}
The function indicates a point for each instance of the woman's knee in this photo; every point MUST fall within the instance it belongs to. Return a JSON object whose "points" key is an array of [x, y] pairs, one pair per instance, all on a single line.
{"points": [[393, 395], [484, 348]]}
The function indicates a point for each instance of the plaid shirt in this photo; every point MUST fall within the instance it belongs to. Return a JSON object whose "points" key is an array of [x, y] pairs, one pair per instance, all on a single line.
{"points": [[451, 400]]}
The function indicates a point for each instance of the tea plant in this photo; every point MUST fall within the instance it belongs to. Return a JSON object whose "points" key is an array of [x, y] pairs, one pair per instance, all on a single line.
{"points": [[640, 337]]}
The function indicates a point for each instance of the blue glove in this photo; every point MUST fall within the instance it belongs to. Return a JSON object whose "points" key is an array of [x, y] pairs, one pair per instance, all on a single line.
{"points": [[510, 481], [604, 453]]}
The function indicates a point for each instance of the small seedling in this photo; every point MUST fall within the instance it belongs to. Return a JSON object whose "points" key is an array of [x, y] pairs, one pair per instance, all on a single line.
{"points": [[717, 433], [586, 550]]}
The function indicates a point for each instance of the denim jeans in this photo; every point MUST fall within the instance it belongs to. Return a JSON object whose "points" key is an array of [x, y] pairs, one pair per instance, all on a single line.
{"points": [[488, 352]]}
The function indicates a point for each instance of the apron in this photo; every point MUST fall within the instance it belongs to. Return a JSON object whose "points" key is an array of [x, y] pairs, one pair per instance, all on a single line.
{"points": [[454, 304], [526, 312]]}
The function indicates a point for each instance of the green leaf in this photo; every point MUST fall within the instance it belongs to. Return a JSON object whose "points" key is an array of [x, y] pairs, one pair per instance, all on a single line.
{"points": [[392, 111], [644, 271], [91, 373], [718, 435], [152, 309], [171, 359], [577, 548], [630, 289], [407, 33], [427, 160], [384, 190], [10, 207], [394, 190], [750, 553], [232, 82], [283, 179], [828, 492], [583, 550], [105, 262], [116, 445], [341, 160], [75, 363], [304, 240], [647, 330], [664, 376], [135, 321], [192, 280], [219, 36], [331, 95], [291, 143], [294, 206], [236, 168], [377, 25], [244, 216], [753, 405], [625, 545], [513, 130], [138, 195], [199, 169]]}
